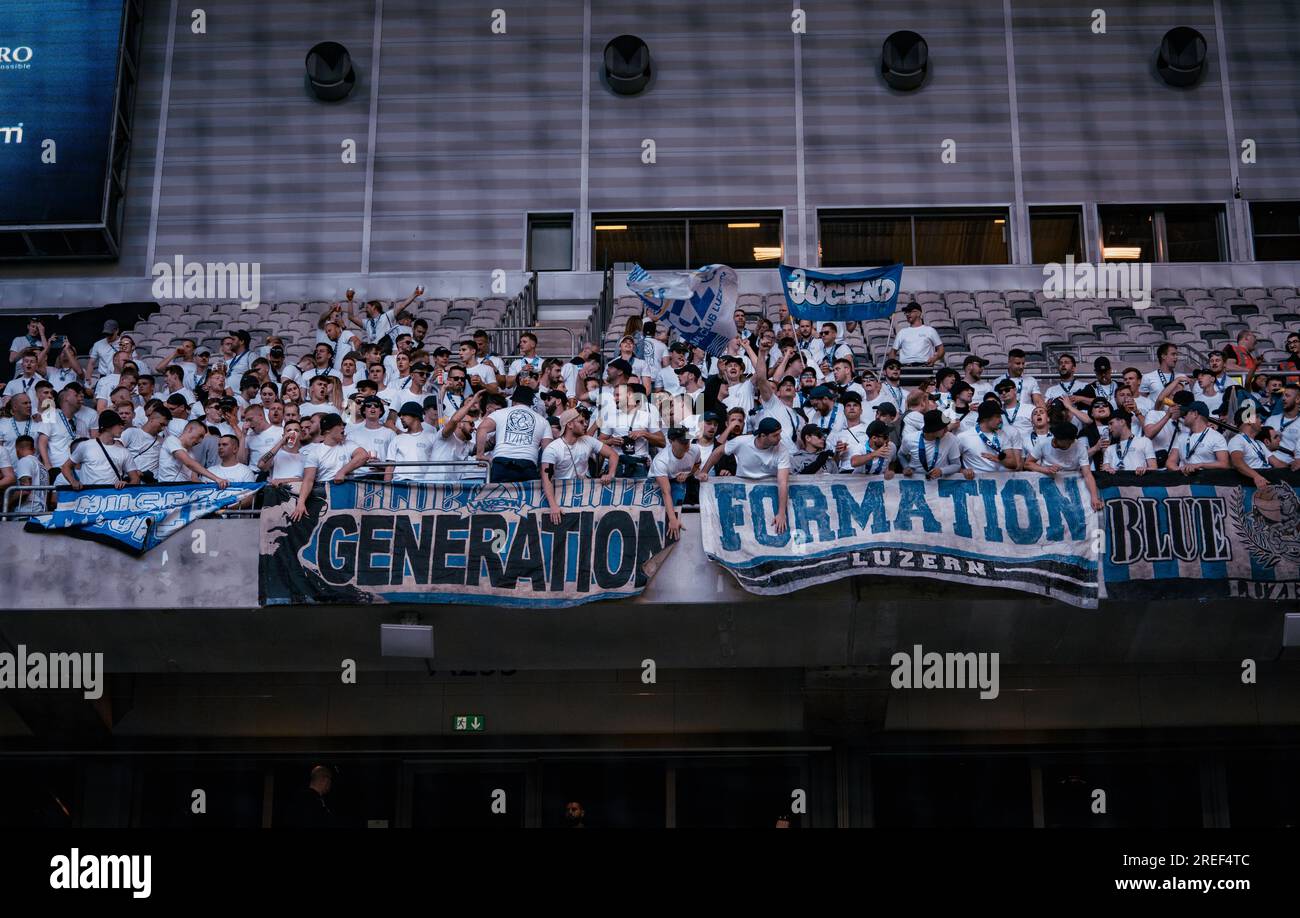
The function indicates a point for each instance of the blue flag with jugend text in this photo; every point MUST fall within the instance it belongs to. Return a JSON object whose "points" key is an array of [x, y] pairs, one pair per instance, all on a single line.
{"points": [[823, 297]]}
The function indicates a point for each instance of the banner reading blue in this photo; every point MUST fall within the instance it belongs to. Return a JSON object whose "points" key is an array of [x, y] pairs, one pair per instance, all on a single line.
{"points": [[822, 297], [137, 518]]}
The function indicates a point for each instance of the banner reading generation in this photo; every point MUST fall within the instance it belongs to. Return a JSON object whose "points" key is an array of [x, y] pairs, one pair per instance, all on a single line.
{"points": [[1025, 532], [492, 544]]}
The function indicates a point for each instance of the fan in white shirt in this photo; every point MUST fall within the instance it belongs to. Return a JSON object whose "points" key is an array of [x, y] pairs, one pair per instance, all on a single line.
{"points": [[1248, 455], [1026, 386], [453, 441], [1064, 452], [371, 435], [567, 457], [177, 464], [988, 447], [1198, 445], [674, 465], [101, 461], [931, 452], [763, 454], [1128, 452], [916, 343]]}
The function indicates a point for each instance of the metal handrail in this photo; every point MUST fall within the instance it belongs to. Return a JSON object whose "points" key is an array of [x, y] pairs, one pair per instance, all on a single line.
{"points": [[5, 513], [604, 310], [498, 333]]}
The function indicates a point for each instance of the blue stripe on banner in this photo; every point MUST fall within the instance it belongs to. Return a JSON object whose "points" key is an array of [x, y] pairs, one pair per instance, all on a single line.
{"points": [[1111, 572], [1162, 570], [1078, 561], [1210, 570]]}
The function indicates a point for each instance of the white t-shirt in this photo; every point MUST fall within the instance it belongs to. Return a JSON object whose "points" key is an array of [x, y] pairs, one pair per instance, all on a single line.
{"points": [[791, 419], [619, 424], [1061, 390], [1072, 458], [520, 363], [1026, 386], [22, 343], [169, 467], [60, 377], [103, 351], [1195, 448], [973, 449], [259, 443], [667, 465], [145, 448], [1137, 450], [1021, 418], [1154, 383], [409, 447], [831, 423], [23, 384], [449, 449], [895, 395], [1163, 440], [519, 433], [236, 472], [570, 461], [12, 428], [483, 372], [666, 379], [307, 409], [916, 345], [373, 440], [378, 327], [62, 431], [93, 468], [327, 460], [856, 443], [741, 395], [1289, 429], [29, 467], [943, 454], [752, 462], [287, 466]]}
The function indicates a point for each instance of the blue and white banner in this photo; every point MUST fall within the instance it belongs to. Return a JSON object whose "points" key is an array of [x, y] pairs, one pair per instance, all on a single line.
{"points": [[1023, 531], [700, 305], [823, 297], [466, 544], [1210, 536], [137, 518]]}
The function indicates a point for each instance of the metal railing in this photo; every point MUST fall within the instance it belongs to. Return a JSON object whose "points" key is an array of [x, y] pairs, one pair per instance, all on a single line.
{"points": [[503, 337], [6, 514], [604, 310], [522, 310]]}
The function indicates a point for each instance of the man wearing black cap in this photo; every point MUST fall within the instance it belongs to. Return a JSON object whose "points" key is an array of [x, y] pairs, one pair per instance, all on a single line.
{"points": [[877, 459], [1246, 454], [671, 469], [826, 413], [419, 386], [1063, 451], [763, 454], [931, 453], [411, 445], [102, 461], [521, 434], [986, 447], [811, 457], [370, 433], [1198, 445], [916, 344], [1101, 387], [1016, 414], [853, 438], [973, 368]]}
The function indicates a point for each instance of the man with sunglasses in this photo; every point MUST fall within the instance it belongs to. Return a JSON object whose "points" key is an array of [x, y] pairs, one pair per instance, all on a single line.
{"points": [[454, 393], [827, 349], [420, 386]]}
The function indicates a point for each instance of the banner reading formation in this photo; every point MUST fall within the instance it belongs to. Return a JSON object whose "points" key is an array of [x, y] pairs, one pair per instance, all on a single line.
{"points": [[1211, 539], [479, 544], [1024, 532]]}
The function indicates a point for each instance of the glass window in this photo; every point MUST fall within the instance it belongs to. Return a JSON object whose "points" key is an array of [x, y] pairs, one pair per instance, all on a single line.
{"points": [[962, 239], [738, 242], [865, 241], [550, 242], [1277, 230], [917, 238], [1056, 234], [621, 243], [1127, 233], [1194, 232]]}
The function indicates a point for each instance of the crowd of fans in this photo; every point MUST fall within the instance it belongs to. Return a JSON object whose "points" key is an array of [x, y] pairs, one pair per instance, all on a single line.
{"points": [[372, 398]]}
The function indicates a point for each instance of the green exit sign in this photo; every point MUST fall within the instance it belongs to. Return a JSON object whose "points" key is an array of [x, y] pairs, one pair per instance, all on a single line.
{"points": [[468, 723]]}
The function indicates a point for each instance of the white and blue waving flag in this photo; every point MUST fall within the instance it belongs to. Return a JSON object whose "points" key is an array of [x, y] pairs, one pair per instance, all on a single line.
{"points": [[137, 518], [698, 304], [856, 297]]}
